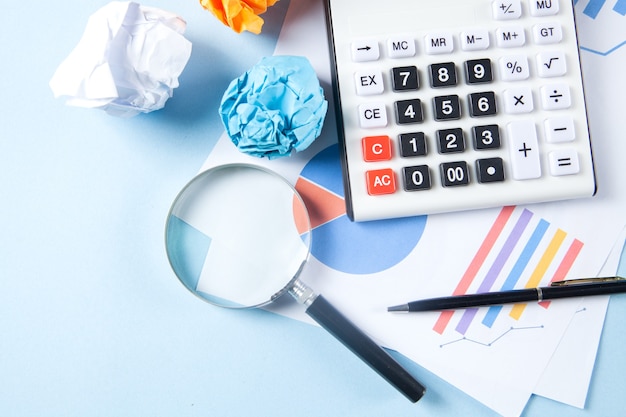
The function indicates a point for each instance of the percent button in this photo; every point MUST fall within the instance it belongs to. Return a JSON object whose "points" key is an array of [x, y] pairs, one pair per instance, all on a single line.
{"points": [[514, 68]]}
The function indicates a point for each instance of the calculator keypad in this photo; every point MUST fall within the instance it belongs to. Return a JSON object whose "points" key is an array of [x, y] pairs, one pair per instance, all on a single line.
{"points": [[480, 110]]}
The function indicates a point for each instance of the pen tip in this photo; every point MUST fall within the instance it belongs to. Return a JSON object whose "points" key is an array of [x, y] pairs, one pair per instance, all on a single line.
{"points": [[403, 307]]}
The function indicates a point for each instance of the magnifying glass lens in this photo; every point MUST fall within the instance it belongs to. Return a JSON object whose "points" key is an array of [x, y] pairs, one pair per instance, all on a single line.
{"points": [[237, 235]]}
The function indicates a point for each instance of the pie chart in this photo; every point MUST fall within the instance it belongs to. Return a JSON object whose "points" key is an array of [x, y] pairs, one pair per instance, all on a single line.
{"points": [[337, 242]]}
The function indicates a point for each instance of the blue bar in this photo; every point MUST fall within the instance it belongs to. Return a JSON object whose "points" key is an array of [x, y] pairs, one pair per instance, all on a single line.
{"points": [[518, 268], [593, 8], [620, 7]]}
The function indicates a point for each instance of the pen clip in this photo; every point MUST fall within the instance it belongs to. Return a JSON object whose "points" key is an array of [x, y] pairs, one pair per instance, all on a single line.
{"points": [[585, 281]]}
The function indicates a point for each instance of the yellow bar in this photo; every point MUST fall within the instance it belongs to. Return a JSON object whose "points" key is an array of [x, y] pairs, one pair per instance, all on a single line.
{"points": [[540, 269]]}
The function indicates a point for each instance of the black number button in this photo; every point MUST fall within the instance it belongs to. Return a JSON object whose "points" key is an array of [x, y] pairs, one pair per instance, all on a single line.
{"points": [[442, 75], [412, 144], [454, 174], [416, 178], [409, 111], [486, 137], [490, 170], [478, 71], [405, 78], [447, 107], [482, 104], [450, 140]]}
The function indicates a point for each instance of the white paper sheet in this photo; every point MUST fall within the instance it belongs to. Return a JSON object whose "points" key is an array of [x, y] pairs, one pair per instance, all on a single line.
{"points": [[499, 365]]}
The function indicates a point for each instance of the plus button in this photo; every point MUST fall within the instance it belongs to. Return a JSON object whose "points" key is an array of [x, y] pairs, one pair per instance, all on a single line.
{"points": [[525, 149]]}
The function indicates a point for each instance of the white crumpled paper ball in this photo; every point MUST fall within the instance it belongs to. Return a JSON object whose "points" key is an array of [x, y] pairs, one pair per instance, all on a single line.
{"points": [[127, 62]]}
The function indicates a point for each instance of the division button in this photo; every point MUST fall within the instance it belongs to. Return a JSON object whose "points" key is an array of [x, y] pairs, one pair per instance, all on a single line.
{"points": [[556, 96]]}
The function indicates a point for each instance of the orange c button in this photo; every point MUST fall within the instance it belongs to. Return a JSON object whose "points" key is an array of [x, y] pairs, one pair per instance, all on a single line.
{"points": [[376, 148], [381, 181]]}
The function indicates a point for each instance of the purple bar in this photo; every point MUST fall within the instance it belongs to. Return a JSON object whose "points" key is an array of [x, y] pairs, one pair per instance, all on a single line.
{"points": [[496, 267]]}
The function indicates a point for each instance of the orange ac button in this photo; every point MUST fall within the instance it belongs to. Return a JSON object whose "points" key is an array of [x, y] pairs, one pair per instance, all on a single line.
{"points": [[376, 148], [381, 181]]}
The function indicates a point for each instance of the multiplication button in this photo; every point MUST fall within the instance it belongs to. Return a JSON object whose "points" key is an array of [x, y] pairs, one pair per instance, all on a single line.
{"points": [[518, 100]]}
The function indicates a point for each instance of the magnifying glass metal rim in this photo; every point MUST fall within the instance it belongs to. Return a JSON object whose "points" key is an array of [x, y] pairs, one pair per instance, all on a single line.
{"points": [[317, 307], [305, 216]]}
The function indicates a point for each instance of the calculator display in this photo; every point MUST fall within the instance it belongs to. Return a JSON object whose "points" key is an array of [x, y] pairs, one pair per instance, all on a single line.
{"points": [[453, 105]]}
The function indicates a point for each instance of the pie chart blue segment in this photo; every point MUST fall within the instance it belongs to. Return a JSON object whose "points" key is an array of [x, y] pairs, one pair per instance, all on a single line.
{"points": [[343, 245]]}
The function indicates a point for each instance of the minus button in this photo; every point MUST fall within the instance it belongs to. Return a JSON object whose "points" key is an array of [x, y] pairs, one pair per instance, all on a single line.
{"points": [[560, 129]]}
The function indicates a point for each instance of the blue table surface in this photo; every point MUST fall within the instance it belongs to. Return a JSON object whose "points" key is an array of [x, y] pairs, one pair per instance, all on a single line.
{"points": [[93, 321]]}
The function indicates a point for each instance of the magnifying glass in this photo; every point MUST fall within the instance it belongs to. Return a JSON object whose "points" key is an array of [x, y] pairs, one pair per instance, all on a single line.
{"points": [[238, 236]]}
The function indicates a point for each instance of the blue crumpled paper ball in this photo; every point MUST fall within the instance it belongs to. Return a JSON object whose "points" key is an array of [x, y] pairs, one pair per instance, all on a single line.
{"points": [[275, 107]]}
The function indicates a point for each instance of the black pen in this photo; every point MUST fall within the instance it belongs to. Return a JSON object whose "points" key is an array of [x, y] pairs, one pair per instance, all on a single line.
{"points": [[559, 289]]}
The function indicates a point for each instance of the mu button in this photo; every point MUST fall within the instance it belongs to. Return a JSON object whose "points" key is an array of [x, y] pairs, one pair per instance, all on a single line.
{"points": [[381, 181]]}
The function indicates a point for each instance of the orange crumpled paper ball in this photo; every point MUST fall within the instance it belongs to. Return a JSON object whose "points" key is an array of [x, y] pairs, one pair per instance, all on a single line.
{"points": [[240, 15]]}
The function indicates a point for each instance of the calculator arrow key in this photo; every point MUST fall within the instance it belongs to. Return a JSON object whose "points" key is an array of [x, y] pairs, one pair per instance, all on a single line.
{"points": [[365, 50]]}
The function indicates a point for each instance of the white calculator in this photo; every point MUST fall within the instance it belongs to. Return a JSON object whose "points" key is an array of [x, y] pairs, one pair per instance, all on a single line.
{"points": [[448, 105]]}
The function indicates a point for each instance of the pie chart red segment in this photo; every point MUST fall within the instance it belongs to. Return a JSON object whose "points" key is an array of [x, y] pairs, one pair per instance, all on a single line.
{"points": [[337, 242]]}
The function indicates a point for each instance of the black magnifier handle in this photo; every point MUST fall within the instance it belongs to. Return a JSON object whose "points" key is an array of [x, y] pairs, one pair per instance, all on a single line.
{"points": [[365, 348]]}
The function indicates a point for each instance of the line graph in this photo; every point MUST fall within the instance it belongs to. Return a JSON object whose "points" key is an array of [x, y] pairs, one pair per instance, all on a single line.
{"points": [[595, 14], [497, 338]]}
